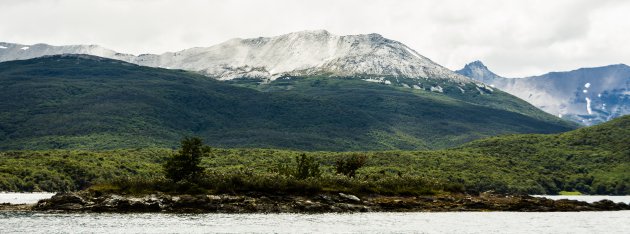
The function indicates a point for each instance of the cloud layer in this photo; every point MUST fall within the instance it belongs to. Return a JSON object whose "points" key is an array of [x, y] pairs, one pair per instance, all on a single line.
{"points": [[514, 38]]}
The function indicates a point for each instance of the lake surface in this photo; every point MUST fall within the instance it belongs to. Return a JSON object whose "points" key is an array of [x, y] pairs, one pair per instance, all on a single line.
{"points": [[453, 222], [588, 198], [23, 198], [435, 222]]}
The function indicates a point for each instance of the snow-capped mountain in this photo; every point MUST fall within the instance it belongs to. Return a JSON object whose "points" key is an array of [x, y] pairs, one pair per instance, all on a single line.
{"points": [[300, 53], [587, 95], [11, 51]]}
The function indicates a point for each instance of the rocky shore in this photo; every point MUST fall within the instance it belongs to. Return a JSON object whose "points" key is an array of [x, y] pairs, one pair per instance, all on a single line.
{"points": [[320, 203]]}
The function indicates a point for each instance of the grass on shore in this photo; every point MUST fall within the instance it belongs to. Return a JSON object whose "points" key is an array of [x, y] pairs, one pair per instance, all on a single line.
{"points": [[570, 193]]}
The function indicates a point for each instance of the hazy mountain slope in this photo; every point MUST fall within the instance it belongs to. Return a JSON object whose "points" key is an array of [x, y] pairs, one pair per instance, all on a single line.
{"points": [[12, 51], [586, 95], [96, 103]]}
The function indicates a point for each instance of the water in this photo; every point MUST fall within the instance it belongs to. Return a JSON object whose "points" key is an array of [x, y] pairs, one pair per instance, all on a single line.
{"points": [[29, 198], [616, 199], [453, 222], [23, 198], [436, 222]]}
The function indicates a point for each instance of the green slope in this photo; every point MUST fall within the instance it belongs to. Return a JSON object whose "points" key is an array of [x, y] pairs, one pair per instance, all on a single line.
{"points": [[592, 160], [85, 102]]}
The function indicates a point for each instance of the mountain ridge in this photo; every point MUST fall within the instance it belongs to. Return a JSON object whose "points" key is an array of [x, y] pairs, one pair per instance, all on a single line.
{"points": [[588, 95], [315, 52]]}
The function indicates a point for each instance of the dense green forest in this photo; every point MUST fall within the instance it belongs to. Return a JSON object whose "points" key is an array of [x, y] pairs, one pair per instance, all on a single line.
{"points": [[90, 103], [592, 160]]}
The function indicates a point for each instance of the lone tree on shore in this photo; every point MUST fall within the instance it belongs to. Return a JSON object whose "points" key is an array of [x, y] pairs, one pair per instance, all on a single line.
{"points": [[185, 164]]}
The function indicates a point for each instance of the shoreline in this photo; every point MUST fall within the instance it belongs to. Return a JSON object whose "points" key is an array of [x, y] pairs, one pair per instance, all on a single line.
{"points": [[316, 203]]}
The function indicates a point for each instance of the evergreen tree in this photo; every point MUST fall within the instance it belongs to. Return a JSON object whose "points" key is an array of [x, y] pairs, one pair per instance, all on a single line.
{"points": [[185, 164]]}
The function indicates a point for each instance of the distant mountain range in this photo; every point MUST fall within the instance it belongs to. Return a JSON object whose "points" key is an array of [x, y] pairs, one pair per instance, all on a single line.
{"points": [[586, 95]]}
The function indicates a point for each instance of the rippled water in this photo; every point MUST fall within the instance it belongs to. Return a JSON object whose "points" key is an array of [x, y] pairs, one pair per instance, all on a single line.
{"points": [[453, 222], [616, 199], [438, 222], [23, 198]]}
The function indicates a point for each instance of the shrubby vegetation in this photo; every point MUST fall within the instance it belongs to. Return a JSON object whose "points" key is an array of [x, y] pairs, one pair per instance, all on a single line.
{"points": [[350, 164], [306, 167], [273, 183], [593, 160], [66, 170]]}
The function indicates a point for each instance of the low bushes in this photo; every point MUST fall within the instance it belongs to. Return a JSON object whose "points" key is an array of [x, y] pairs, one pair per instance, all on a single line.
{"points": [[274, 183], [350, 164]]}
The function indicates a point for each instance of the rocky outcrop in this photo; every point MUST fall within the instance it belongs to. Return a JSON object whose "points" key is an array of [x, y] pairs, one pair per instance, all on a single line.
{"points": [[334, 202]]}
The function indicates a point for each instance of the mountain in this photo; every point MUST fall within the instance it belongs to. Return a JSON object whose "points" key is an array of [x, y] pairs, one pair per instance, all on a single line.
{"points": [[88, 102], [586, 95], [12, 51], [478, 71], [370, 56]]}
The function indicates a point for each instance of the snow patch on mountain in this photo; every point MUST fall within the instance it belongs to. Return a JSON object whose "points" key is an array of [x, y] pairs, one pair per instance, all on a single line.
{"points": [[588, 106], [373, 80], [437, 89]]}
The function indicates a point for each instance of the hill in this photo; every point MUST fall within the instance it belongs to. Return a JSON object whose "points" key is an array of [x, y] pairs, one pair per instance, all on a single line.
{"points": [[86, 102], [592, 160]]}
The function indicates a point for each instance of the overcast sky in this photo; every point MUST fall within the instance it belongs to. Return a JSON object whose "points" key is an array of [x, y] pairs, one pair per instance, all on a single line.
{"points": [[513, 38]]}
